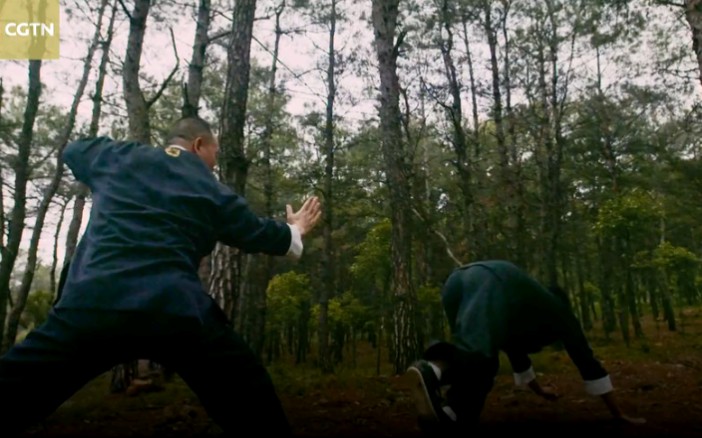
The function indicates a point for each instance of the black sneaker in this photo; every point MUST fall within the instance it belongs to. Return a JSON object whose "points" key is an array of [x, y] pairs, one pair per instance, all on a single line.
{"points": [[426, 391]]}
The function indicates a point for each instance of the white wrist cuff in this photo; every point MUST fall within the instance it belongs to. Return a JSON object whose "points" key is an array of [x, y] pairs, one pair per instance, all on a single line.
{"points": [[296, 247]]}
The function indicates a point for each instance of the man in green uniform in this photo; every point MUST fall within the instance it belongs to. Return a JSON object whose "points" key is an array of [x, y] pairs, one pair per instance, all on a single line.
{"points": [[494, 306]]}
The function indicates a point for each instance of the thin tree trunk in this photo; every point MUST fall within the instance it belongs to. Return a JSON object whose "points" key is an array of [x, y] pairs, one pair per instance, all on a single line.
{"points": [[609, 323], [667, 302], [555, 155], [192, 91], [459, 139], [505, 171], [137, 107], [693, 15], [584, 295], [653, 295], [328, 289], [139, 125], [630, 292], [54, 255], [21, 169], [50, 191], [473, 88], [260, 307], [520, 203], [233, 162], [80, 189], [193, 88], [379, 342], [406, 349]]}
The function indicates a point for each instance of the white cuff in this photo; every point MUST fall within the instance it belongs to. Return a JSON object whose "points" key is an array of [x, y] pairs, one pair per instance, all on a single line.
{"points": [[295, 250], [599, 386], [523, 378]]}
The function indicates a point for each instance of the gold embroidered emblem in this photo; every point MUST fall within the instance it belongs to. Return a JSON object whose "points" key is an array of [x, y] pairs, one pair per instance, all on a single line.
{"points": [[172, 151]]}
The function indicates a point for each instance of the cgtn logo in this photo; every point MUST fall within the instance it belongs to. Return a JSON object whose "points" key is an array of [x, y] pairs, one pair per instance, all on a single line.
{"points": [[29, 29]]}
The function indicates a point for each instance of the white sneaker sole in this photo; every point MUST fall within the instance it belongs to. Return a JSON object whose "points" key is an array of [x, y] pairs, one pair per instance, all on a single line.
{"points": [[425, 408]]}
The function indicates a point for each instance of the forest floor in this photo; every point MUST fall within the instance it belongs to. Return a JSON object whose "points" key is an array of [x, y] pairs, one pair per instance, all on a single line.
{"points": [[659, 378]]}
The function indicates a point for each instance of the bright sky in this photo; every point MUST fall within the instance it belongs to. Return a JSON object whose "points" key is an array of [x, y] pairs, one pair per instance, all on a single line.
{"points": [[299, 55]]}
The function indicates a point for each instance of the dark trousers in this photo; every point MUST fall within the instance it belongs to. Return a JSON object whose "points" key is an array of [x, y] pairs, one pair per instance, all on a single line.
{"points": [[74, 346], [471, 359], [471, 378]]}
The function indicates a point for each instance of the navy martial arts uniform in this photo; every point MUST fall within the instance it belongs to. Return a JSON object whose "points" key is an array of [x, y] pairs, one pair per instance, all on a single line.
{"points": [[494, 306], [132, 290]]}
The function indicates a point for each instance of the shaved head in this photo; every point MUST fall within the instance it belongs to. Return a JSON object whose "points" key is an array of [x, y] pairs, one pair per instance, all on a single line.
{"points": [[189, 128], [195, 135]]}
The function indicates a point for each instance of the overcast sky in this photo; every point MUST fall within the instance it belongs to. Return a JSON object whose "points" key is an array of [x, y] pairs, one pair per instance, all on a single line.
{"points": [[299, 55]]}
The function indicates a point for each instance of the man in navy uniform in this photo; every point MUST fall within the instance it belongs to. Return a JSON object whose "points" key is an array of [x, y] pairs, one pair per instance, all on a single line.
{"points": [[494, 306], [132, 289]]}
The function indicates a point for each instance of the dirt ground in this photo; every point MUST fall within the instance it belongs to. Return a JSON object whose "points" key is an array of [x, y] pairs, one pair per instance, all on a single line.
{"points": [[668, 395], [661, 382]]}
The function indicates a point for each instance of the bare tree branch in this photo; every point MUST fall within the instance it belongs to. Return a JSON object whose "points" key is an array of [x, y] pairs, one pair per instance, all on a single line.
{"points": [[124, 8], [440, 235], [170, 76], [219, 35], [669, 3]]}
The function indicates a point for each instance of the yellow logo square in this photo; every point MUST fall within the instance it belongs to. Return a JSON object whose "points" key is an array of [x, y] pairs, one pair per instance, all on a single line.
{"points": [[172, 151], [29, 29]]}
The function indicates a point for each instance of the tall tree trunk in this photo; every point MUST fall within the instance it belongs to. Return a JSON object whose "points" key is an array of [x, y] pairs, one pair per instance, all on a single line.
{"points": [[618, 280], [21, 170], [609, 323], [50, 191], [653, 295], [478, 216], [81, 190], [406, 348], [329, 288], [519, 206], [260, 306], [233, 162], [667, 303], [583, 293], [422, 189], [630, 291], [302, 334], [509, 191], [54, 254], [246, 292], [555, 154], [139, 127], [459, 139], [693, 15], [632, 306], [192, 90], [137, 107], [221, 279]]}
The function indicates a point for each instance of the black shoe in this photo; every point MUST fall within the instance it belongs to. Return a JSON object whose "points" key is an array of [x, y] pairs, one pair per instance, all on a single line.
{"points": [[426, 391]]}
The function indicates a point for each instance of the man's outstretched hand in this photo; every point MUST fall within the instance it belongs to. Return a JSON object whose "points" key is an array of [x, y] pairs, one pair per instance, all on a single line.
{"points": [[307, 217]]}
